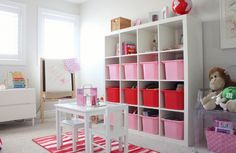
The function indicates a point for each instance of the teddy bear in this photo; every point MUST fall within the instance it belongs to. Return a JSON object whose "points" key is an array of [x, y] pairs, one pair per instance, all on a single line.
{"points": [[218, 80], [227, 99]]}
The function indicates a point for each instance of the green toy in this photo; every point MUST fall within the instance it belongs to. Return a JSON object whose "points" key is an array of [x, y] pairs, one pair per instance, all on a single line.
{"points": [[227, 99]]}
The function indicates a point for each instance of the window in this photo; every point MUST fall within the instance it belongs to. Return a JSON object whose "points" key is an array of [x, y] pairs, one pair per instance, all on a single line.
{"points": [[58, 34], [11, 33]]}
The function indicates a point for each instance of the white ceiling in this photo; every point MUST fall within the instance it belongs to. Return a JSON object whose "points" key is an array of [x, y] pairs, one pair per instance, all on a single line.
{"points": [[76, 1]]}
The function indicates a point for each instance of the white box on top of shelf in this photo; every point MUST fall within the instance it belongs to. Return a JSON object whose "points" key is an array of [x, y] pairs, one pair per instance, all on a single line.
{"points": [[178, 38]]}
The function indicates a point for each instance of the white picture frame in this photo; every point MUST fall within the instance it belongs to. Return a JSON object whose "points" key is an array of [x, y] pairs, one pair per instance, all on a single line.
{"points": [[228, 23]]}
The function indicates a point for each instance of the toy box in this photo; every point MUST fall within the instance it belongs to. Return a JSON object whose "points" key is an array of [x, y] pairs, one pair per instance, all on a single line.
{"points": [[120, 23]]}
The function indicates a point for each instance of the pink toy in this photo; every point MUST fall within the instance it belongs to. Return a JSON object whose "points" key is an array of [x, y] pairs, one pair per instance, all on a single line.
{"points": [[86, 96]]}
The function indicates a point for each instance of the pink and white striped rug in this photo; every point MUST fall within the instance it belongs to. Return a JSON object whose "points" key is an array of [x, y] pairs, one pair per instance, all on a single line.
{"points": [[49, 143]]}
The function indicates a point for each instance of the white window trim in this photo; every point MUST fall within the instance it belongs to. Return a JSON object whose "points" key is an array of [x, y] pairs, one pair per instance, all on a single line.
{"points": [[42, 12], [20, 59]]}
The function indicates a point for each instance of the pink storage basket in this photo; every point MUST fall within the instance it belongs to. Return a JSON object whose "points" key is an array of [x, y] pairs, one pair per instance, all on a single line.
{"points": [[150, 70], [174, 129], [174, 69], [114, 71], [220, 142], [133, 121], [130, 71], [150, 124]]}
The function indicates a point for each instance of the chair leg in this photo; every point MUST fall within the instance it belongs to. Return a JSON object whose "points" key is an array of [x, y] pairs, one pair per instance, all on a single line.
{"points": [[120, 144], [108, 145], [74, 138], [125, 144], [42, 110], [91, 142]]}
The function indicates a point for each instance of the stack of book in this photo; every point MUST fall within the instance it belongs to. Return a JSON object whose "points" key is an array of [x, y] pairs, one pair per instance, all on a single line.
{"points": [[18, 80]]}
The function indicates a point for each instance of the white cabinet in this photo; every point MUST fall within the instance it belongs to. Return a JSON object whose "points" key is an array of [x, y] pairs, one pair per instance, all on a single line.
{"points": [[178, 38], [16, 104]]}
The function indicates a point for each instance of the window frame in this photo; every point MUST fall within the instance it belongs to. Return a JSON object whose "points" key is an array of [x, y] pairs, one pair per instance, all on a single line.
{"points": [[54, 14], [20, 9]]}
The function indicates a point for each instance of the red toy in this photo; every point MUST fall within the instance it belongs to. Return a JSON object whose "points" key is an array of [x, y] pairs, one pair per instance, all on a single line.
{"points": [[181, 6]]}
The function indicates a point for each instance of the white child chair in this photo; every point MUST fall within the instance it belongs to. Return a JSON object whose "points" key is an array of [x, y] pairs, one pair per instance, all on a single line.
{"points": [[116, 131], [73, 122]]}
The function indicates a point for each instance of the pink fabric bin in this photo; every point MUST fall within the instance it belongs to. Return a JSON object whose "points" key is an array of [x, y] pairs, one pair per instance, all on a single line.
{"points": [[150, 70], [220, 142], [133, 121], [130, 71], [174, 69], [114, 71], [174, 129], [150, 124]]}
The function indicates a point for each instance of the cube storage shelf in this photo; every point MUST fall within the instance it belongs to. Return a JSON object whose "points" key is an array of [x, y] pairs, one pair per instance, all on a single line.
{"points": [[176, 60]]}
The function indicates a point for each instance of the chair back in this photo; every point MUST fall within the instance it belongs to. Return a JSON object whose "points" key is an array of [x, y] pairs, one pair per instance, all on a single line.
{"points": [[119, 115]]}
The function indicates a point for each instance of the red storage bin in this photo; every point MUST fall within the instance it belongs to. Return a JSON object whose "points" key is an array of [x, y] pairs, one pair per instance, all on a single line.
{"points": [[174, 99], [150, 97], [130, 96], [113, 94]]}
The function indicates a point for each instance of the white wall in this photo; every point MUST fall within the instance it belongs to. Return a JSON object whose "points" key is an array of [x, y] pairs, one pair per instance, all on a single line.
{"points": [[95, 23], [31, 68]]}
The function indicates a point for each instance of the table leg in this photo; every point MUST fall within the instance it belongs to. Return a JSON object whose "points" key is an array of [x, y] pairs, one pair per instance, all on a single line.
{"points": [[87, 136], [58, 129]]}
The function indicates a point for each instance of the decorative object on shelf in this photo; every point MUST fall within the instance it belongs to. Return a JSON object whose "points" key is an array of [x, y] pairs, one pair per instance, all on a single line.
{"points": [[165, 13], [0, 144], [87, 96], [154, 16], [181, 7], [154, 45], [137, 22], [117, 49], [227, 99], [120, 23], [219, 79], [2, 86], [16, 79], [128, 48], [228, 23]]}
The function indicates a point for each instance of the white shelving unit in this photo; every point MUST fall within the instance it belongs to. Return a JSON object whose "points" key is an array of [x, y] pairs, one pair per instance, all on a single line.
{"points": [[168, 33]]}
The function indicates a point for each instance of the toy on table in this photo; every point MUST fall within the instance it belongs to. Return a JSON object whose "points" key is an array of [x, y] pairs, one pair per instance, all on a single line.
{"points": [[87, 96], [219, 79]]}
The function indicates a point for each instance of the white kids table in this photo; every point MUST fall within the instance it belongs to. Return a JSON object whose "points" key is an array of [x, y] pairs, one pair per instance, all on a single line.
{"points": [[85, 111]]}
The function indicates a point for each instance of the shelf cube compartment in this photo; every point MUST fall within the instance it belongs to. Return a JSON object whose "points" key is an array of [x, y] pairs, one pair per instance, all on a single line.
{"points": [[174, 129], [130, 70], [133, 121], [150, 124], [113, 94], [130, 96], [174, 99], [150, 97], [114, 71], [174, 69], [150, 70]]}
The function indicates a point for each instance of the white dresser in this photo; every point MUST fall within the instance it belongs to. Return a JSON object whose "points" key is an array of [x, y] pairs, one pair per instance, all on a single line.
{"points": [[16, 104]]}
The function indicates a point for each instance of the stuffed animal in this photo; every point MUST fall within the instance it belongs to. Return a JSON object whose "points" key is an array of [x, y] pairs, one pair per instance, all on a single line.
{"points": [[227, 99], [219, 79]]}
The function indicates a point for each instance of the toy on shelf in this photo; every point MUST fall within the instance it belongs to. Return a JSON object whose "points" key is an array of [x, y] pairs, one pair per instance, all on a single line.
{"points": [[0, 144], [219, 79], [181, 7], [154, 45], [128, 48], [227, 99]]}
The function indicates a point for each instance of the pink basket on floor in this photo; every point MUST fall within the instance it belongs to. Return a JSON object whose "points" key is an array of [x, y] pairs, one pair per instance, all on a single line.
{"points": [[114, 71], [220, 142], [174, 69], [150, 124], [133, 121], [150, 70], [130, 71], [174, 129]]}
